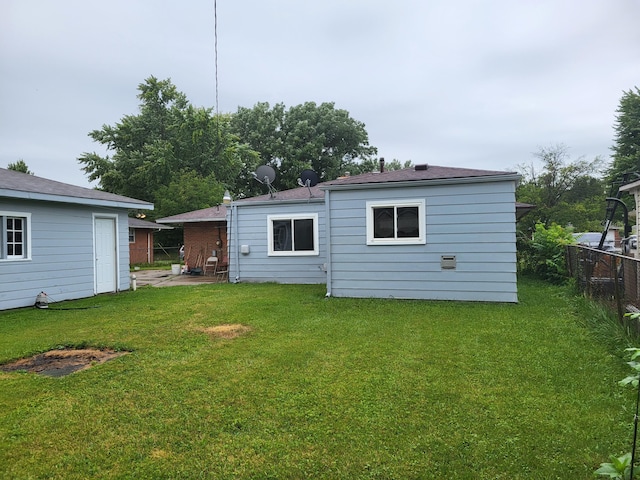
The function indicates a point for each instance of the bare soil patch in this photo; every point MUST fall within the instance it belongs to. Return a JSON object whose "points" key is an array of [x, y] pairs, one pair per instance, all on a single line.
{"points": [[227, 331], [57, 363]]}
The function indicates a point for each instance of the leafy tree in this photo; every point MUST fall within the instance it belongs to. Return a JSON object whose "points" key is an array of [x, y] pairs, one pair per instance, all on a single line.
{"points": [[626, 150], [19, 166], [320, 137], [564, 191], [168, 140]]}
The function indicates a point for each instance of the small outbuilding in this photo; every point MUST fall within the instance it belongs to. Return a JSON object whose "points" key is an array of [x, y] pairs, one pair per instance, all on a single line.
{"points": [[66, 241], [205, 235], [141, 240]]}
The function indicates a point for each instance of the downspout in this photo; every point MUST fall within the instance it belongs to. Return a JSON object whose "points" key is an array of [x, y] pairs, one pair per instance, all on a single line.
{"points": [[234, 236], [149, 247], [327, 231]]}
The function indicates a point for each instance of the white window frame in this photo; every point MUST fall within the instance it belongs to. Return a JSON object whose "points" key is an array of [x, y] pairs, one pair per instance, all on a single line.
{"points": [[132, 235], [26, 236], [421, 239], [293, 253]]}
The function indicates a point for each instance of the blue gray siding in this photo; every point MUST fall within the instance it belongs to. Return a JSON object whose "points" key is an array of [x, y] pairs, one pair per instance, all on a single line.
{"points": [[474, 222], [250, 229], [62, 256]]}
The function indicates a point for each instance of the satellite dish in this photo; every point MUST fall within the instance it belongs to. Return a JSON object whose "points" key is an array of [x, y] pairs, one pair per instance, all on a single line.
{"points": [[308, 178], [265, 174]]}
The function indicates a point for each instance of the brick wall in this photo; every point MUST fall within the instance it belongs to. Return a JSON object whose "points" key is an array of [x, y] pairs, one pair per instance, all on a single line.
{"points": [[200, 239], [141, 251]]}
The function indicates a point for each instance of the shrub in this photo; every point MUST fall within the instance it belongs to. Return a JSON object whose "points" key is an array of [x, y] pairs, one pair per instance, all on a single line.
{"points": [[544, 254]]}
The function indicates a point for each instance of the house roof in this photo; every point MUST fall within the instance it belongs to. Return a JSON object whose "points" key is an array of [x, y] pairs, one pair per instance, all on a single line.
{"points": [[146, 225], [388, 178], [22, 185], [212, 214], [419, 173], [294, 194]]}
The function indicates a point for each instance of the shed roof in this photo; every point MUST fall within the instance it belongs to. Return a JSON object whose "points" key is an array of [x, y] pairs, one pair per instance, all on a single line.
{"points": [[211, 214], [146, 225], [22, 185]]}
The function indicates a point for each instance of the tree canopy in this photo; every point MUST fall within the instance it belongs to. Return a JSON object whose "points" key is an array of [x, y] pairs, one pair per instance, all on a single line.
{"points": [[307, 136], [168, 141], [565, 191], [19, 166], [626, 149], [182, 158]]}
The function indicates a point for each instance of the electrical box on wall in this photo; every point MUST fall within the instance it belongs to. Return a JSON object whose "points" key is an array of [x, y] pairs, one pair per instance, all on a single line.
{"points": [[244, 249], [448, 262]]}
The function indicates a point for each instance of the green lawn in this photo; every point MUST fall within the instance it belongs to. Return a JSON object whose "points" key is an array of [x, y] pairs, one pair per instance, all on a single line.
{"points": [[320, 388]]}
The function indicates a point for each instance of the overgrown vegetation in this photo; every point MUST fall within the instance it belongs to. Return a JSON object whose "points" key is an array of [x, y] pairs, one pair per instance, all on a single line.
{"points": [[544, 254], [319, 388]]}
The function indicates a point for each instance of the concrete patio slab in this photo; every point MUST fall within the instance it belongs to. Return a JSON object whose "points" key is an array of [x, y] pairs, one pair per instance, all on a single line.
{"points": [[164, 278]]}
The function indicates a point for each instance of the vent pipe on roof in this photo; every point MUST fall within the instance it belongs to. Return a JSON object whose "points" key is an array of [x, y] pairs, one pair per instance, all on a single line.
{"points": [[424, 166], [381, 164]]}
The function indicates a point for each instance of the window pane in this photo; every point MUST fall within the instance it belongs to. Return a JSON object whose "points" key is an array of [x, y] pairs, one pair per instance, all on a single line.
{"points": [[408, 226], [15, 236], [303, 234], [282, 235], [383, 222]]}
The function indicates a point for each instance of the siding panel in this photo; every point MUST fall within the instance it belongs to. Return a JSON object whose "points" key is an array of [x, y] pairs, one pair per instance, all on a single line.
{"points": [[473, 222], [258, 266]]}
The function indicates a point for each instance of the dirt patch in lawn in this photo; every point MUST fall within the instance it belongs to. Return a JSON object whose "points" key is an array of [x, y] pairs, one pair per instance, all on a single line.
{"points": [[58, 363], [227, 331]]}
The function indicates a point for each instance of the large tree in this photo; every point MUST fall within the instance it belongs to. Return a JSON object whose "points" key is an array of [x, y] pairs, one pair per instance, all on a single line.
{"points": [[626, 150], [167, 141], [307, 136], [565, 191]]}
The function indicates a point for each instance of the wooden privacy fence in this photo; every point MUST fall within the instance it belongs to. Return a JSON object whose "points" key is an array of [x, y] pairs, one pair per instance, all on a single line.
{"points": [[608, 277]]}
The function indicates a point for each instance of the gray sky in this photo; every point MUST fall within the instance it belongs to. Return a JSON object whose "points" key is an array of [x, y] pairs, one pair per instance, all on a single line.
{"points": [[478, 84]]}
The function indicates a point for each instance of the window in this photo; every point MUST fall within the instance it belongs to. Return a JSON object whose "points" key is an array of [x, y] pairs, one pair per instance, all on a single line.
{"points": [[132, 235], [293, 234], [15, 241], [396, 222]]}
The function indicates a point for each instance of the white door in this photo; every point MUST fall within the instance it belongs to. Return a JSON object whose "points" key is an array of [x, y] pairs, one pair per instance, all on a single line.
{"points": [[106, 256]]}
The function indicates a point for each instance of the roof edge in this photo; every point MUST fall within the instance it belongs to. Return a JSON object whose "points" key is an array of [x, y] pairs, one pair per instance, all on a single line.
{"points": [[434, 181]]}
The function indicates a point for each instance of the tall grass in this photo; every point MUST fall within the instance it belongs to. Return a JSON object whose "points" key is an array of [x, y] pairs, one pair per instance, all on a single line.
{"points": [[319, 388]]}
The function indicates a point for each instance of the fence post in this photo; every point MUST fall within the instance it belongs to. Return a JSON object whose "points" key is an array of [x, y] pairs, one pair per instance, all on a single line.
{"points": [[617, 293]]}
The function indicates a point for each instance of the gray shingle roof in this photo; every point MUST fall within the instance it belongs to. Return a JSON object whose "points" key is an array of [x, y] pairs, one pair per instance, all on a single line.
{"points": [[146, 225], [21, 185], [212, 214], [427, 172]]}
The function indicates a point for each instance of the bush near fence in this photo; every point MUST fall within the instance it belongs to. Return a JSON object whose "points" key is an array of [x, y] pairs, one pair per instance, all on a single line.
{"points": [[609, 278]]}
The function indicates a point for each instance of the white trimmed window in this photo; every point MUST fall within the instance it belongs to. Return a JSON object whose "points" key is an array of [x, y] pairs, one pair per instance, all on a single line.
{"points": [[293, 235], [132, 235], [15, 239], [397, 222]]}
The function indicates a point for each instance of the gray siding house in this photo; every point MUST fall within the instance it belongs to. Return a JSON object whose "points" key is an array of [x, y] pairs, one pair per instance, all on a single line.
{"points": [[67, 241], [427, 232]]}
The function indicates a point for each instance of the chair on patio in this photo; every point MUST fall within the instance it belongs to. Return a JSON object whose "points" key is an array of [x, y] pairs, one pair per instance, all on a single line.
{"points": [[210, 266]]}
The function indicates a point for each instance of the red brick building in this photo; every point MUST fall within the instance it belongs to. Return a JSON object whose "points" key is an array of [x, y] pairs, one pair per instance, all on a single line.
{"points": [[205, 235], [141, 240]]}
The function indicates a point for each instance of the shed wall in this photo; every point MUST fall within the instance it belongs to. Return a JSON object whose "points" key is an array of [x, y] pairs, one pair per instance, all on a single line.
{"points": [[473, 222], [62, 254]]}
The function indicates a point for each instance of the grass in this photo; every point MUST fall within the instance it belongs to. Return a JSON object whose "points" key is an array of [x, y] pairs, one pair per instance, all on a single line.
{"points": [[319, 388]]}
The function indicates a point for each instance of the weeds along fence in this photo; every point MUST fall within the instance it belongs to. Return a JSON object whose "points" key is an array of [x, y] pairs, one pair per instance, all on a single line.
{"points": [[609, 278]]}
